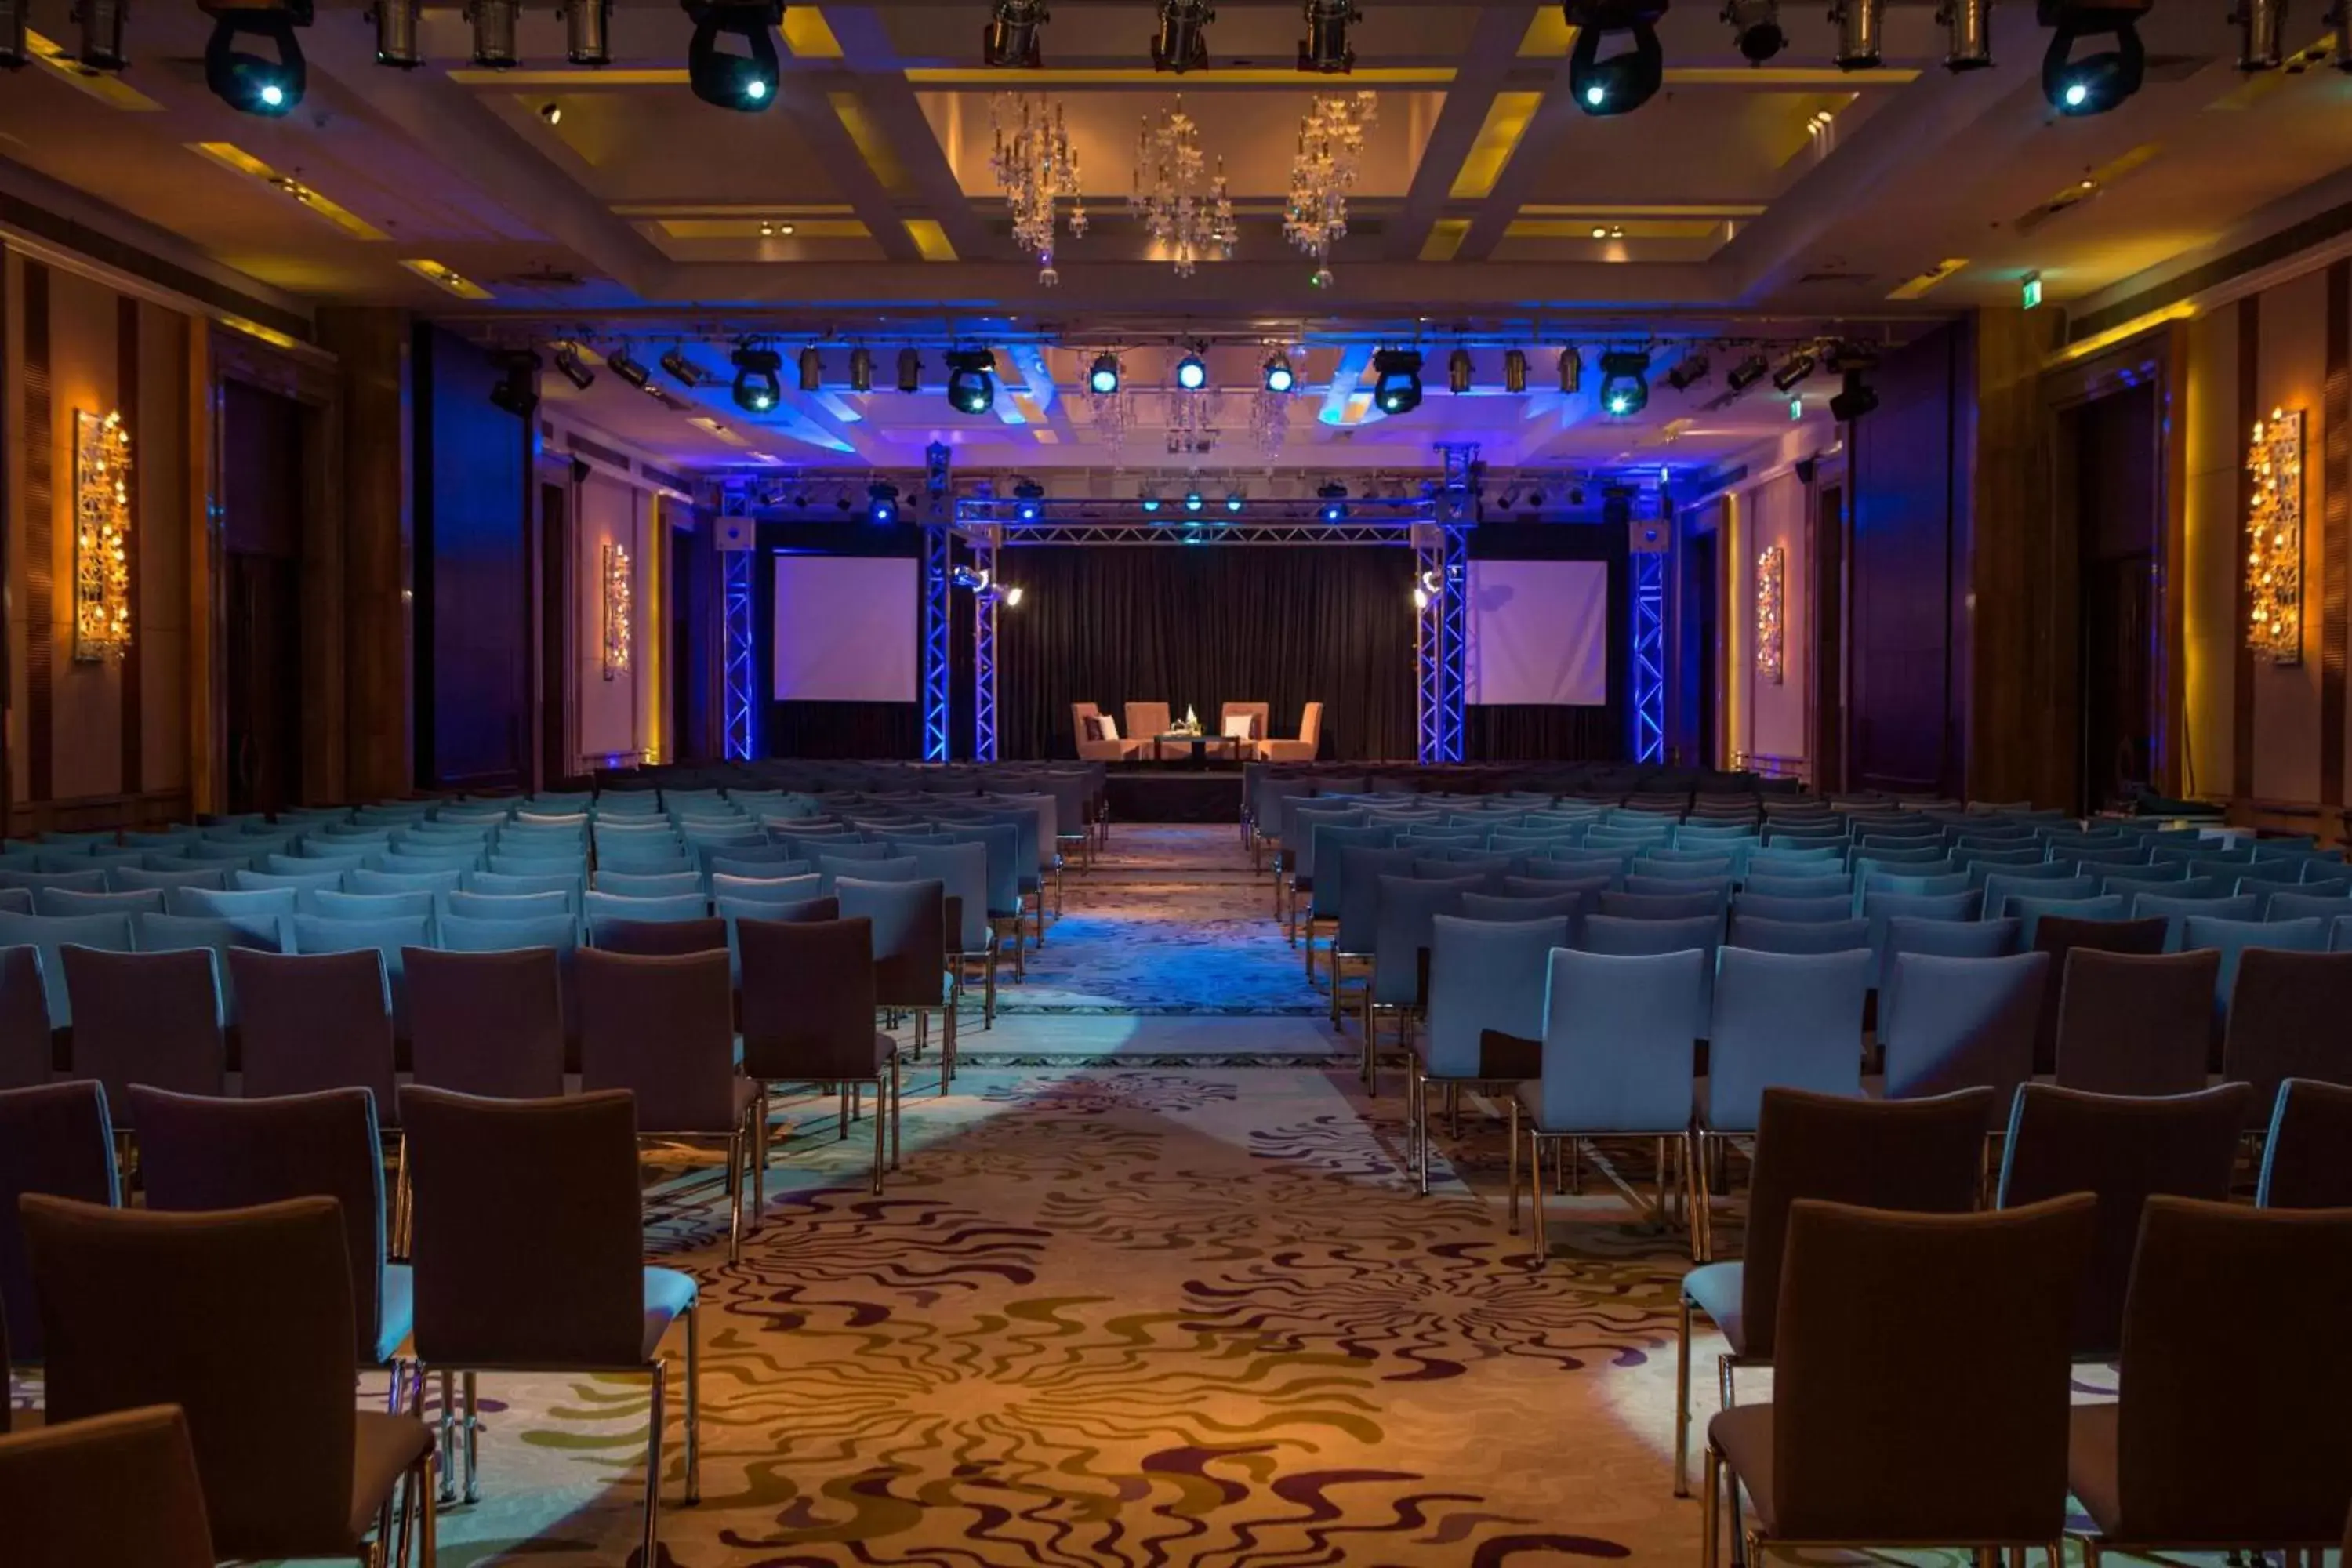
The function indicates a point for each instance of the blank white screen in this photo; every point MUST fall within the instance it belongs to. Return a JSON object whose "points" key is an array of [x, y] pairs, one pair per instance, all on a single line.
{"points": [[1539, 632], [845, 628]]}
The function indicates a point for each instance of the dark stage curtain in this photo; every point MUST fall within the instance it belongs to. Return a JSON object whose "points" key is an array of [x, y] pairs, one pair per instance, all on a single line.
{"points": [[1527, 733], [1204, 627]]}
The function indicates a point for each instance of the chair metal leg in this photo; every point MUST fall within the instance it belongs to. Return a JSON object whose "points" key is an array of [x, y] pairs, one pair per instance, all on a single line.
{"points": [[881, 1127], [759, 1158], [1682, 1406], [1513, 1206], [735, 1141], [473, 1439], [1709, 1546], [653, 1465], [693, 1399], [428, 1530], [448, 1434], [1536, 1198], [898, 1098]]}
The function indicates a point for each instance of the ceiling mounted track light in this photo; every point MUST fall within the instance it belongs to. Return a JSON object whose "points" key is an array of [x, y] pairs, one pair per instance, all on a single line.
{"points": [[100, 23], [1458, 372], [2097, 83], [1102, 378], [517, 389], [1626, 80], [573, 368], [972, 380], [1192, 371], [493, 22], [861, 369], [1859, 28], [682, 370], [1571, 372], [811, 364], [1182, 44], [1624, 383], [724, 79], [758, 383], [1968, 34], [1689, 373], [267, 84], [396, 43], [1794, 371], [910, 370], [1396, 381], [2258, 22], [16, 35], [1325, 49], [588, 32], [1514, 370], [1756, 28], [1280, 378], [2339, 22], [1010, 39], [1746, 373], [629, 368]]}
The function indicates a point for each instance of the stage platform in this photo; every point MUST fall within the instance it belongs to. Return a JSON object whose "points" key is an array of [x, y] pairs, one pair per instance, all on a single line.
{"points": [[1174, 794]]}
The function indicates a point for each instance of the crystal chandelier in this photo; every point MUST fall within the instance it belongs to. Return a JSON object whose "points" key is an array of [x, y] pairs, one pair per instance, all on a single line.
{"points": [[1107, 417], [1189, 215], [1191, 420], [1270, 419], [1035, 169], [1330, 156]]}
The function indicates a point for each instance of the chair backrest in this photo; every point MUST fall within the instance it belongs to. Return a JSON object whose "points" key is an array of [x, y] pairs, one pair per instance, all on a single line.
{"points": [[62, 1486], [603, 909], [257, 1349], [52, 934], [488, 1024], [314, 1022], [2233, 939], [2303, 1165], [909, 935], [147, 1017], [1764, 935], [808, 998], [2134, 1023], [1782, 1020], [1772, 885], [1403, 925], [704, 933], [1618, 1041], [199, 1155], [2059, 936], [2127, 1148], [57, 1139], [26, 1050], [649, 885], [392, 938], [1919, 1384], [506, 906], [1146, 720], [1310, 724], [1486, 977], [2212, 1444], [1835, 907], [1630, 906], [961, 871], [66, 902], [1917, 1156], [529, 1237], [663, 1027], [793, 890], [1963, 1023]]}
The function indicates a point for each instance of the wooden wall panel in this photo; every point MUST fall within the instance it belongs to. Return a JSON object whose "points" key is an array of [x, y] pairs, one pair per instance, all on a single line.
{"points": [[40, 524]]}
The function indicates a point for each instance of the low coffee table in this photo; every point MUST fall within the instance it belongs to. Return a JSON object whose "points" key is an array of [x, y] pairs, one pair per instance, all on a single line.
{"points": [[1194, 749]]}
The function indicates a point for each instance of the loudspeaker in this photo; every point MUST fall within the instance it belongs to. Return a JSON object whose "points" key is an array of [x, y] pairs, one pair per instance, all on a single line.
{"points": [[1805, 469], [580, 470]]}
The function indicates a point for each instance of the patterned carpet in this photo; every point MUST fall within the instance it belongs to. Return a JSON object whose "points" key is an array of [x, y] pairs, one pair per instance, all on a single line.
{"points": [[1129, 1318]]}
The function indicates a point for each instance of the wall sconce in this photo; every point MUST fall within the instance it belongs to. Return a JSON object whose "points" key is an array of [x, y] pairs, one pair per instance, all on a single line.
{"points": [[101, 536], [619, 592], [2274, 539], [1772, 569]]}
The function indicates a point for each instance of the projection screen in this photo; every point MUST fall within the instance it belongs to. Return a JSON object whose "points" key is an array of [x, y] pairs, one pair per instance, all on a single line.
{"points": [[1539, 632], [846, 628]]}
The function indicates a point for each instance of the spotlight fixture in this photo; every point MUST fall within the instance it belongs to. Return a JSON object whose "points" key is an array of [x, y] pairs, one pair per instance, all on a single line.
{"points": [[1028, 495], [2098, 81], [552, 112], [268, 84], [588, 32], [841, 499], [1458, 372], [1793, 371], [574, 369], [1192, 371], [722, 77], [1008, 41], [1514, 370], [861, 369], [1427, 589], [1325, 49], [1535, 497], [1234, 500], [682, 370], [1396, 381], [756, 386], [493, 22], [1279, 377], [517, 389], [1968, 34], [1009, 595], [1855, 399], [1194, 501], [1626, 80], [812, 369], [1859, 25], [16, 35], [1103, 379], [1334, 497], [1688, 372], [1147, 498], [2338, 19], [1746, 373], [2258, 22], [1756, 27], [629, 368], [972, 380], [1624, 383], [396, 43], [1571, 372], [910, 370], [882, 502], [1182, 44], [100, 23]]}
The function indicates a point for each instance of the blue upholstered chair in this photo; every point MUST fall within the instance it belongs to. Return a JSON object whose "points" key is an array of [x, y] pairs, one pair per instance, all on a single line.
{"points": [[316, 933], [1899, 933], [1616, 934], [2297, 906], [52, 934], [172, 934], [1759, 935], [1360, 868], [1662, 906], [2003, 886], [2028, 909], [2175, 911], [1780, 1021], [1404, 912], [654, 885], [66, 901], [331, 905], [1487, 981], [1963, 1023], [1327, 849], [2232, 938], [1840, 886]]}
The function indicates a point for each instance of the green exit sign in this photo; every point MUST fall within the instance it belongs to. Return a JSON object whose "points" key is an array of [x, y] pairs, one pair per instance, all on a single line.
{"points": [[2031, 289]]}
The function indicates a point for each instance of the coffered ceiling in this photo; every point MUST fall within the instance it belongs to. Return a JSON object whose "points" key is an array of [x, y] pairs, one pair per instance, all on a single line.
{"points": [[1775, 204]]}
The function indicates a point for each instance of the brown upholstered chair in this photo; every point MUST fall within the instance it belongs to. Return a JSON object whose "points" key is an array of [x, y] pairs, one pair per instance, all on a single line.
{"points": [[62, 1490], [808, 1017], [146, 1017], [1146, 722], [1917, 1156], [199, 1155], [2126, 1150], [256, 1350], [314, 1021], [910, 955], [2132, 1023], [1303, 748], [1919, 1397], [530, 1258], [2304, 1163], [658, 939], [2288, 1016], [26, 1047], [1105, 744], [2207, 1447], [57, 1139], [2059, 935], [662, 1026], [487, 1023]]}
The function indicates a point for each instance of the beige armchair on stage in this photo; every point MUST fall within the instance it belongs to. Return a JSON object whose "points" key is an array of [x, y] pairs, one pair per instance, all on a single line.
{"points": [[1302, 750], [1098, 737]]}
